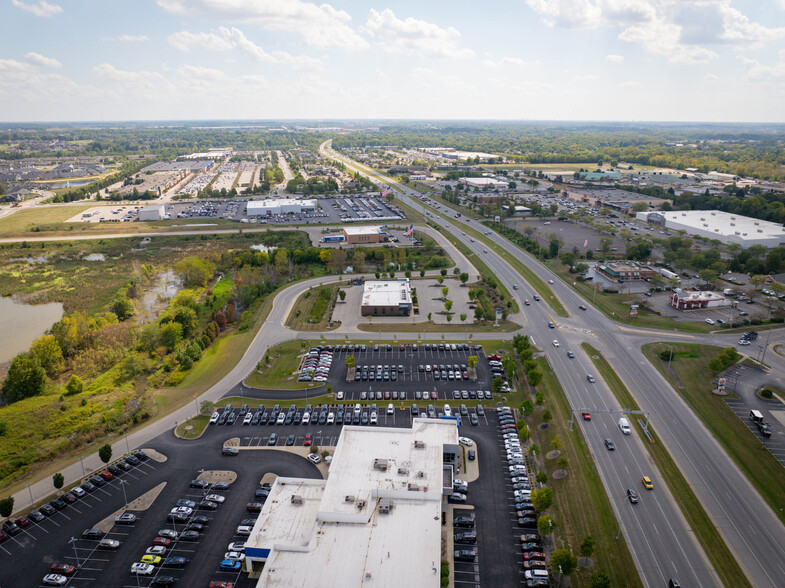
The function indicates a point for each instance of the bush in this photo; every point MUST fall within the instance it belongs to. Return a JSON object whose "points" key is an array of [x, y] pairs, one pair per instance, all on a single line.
{"points": [[765, 393], [175, 378], [105, 453], [6, 506]]}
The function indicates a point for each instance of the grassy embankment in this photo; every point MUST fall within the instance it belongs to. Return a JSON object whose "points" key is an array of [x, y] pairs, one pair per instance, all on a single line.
{"points": [[720, 556], [581, 505], [313, 308], [693, 382]]}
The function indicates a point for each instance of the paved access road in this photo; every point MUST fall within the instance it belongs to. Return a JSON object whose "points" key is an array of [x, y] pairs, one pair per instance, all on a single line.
{"points": [[749, 526]]}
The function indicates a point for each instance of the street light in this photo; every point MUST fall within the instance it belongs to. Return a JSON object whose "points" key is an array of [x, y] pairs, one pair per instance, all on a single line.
{"points": [[72, 541], [81, 461], [127, 447], [31, 493], [122, 484]]}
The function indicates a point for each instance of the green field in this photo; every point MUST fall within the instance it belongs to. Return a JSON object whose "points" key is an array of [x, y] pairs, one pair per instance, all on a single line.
{"points": [[693, 382], [280, 372], [720, 556]]}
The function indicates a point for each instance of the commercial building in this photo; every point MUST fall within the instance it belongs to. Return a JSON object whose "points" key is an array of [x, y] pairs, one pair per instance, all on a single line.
{"points": [[387, 298], [354, 235], [687, 300], [152, 213], [484, 183], [623, 271], [376, 520], [725, 227], [273, 206]]}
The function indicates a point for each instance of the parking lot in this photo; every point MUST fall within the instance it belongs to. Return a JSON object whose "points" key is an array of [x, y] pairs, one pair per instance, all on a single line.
{"points": [[27, 557]]}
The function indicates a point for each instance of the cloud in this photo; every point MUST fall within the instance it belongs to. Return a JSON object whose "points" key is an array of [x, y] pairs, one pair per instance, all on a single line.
{"points": [[139, 82], [415, 37], [614, 58], [506, 62], [674, 29], [228, 39], [757, 71], [38, 59], [710, 78], [27, 83], [42, 9], [586, 77], [629, 84], [131, 38], [321, 26]]}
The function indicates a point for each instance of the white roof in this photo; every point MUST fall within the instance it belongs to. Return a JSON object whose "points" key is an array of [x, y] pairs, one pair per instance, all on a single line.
{"points": [[347, 540], [387, 293], [725, 224], [268, 202], [362, 230]]}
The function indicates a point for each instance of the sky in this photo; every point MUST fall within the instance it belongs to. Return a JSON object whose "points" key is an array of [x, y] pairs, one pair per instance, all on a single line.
{"points": [[614, 60]]}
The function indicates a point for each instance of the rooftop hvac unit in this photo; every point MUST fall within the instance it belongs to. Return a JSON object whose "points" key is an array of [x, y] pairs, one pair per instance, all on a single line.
{"points": [[420, 474], [733, 218], [297, 499], [413, 488], [760, 230], [403, 471], [736, 233], [419, 444], [705, 224], [713, 214], [360, 504], [385, 506], [733, 224], [756, 223], [380, 464], [703, 218], [348, 498]]}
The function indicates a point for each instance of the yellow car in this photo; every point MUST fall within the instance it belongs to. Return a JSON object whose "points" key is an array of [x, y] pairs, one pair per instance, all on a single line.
{"points": [[151, 559], [647, 483]]}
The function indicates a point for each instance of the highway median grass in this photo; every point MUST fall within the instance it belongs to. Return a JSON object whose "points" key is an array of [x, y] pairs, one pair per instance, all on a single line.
{"points": [[693, 382], [581, 503], [712, 542]]}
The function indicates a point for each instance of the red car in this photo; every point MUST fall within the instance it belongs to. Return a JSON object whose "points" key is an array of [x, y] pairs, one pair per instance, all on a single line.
{"points": [[22, 521], [533, 555], [106, 475], [307, 441], [526, 302], [586, 416], [162, 541], [61, 568], [221, 584], [3, 537]]}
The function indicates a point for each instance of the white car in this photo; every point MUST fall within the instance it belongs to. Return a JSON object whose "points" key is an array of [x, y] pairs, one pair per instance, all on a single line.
{"points": [[215, 498], [156, 550], [244, 530], [314, 458], [465, 441], [339, 396], [186, 510], [555, 342], [306, 418], [237, 546], [214, 418], [54, 580], [743, 342], [709, 322], [247, 419], [234, 555], [142, 569]]}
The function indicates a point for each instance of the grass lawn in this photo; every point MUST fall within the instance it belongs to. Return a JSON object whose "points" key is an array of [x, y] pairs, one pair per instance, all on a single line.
{"points": [[307, 313], [280, 374], [692, 370], [197, 426], [581, 505], [711, 541], [27, 220]]}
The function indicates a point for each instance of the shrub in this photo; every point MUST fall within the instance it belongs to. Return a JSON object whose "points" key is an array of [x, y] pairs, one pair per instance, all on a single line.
{"points": [[766, 393], [175, 378], [105, 453]]}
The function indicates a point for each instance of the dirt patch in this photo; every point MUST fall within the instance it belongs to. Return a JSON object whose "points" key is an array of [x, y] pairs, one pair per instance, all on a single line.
{"points": [[155, 455], [543, 426], [559, 474], [585, 562], [215, 476], [141, 503], [553, 454]]}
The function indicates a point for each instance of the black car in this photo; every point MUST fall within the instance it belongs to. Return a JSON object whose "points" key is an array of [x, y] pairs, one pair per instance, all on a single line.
{"points": [[194, 527], [58, 503], [207, 505], [199, 484], [463, 521], [189, 536], [133, 460], [93, 534], [469, 537], [261, 493], [200, 520], [11, 528], [48, 510], [163, 580], [177, 517], [141, 455], [114, 470], [609, 445], [220, 487], [35, 516], [632, 496], [97, 481], [465, 554], [88, 487]]}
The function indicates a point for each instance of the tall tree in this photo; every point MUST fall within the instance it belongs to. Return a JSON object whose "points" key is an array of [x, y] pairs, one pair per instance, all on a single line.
{"points": [[25, 378]]}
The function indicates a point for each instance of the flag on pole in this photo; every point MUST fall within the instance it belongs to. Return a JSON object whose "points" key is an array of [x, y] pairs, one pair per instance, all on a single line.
{"points": [[585, 243], [410, 231], [386, 191]]}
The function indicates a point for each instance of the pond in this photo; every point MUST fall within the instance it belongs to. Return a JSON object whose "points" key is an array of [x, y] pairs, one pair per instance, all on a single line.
{"points": [[22, 323], [95, 257], [63, 184]]}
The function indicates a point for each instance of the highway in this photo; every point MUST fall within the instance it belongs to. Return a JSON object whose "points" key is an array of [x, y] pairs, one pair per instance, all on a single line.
{"points": [[662, 544]]}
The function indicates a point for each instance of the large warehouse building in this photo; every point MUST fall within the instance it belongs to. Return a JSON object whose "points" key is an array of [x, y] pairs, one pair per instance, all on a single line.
{"points": [[152, 213], [376, 520], [387, 298], [725, 227], [271, 206]]}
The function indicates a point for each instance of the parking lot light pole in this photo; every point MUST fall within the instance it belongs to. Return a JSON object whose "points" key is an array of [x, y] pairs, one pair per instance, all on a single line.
{"points": [[123, 483], [31, 493], [72, 541], [127, 447], [81, 461]]}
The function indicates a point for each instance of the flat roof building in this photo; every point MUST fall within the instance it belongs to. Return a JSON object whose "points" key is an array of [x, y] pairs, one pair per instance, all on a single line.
{"points": [[484, 183], [688, 300], [375, 521], [365, 235], [725, 227], [271, 206], [617, 271], [387, 298], [152, 213]]}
